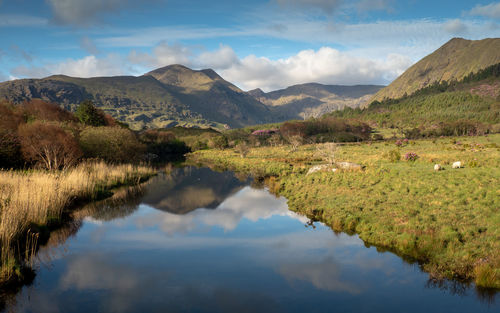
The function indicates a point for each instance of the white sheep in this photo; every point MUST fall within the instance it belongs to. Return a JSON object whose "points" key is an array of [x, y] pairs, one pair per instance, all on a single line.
{"points": [[437, 167], [457, 164]]}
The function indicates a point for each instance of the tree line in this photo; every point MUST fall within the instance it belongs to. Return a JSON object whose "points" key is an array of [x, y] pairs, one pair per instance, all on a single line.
{"points": [[37, 134]]}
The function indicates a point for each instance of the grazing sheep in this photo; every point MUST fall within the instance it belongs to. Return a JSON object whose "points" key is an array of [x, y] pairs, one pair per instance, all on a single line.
{"points": [[437, 167], [456, 164], [319, 168]]}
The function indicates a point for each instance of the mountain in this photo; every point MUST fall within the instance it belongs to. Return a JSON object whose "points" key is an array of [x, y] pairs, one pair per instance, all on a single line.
{"points": [[313, 100], [453, 61], [172, 95], [468, 106]]}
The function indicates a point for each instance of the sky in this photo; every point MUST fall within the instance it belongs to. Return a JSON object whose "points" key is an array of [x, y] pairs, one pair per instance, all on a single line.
{"points": [[267, 44]]}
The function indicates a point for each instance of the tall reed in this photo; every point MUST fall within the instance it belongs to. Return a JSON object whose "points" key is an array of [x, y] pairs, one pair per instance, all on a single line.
{"points": [[39, 197]]}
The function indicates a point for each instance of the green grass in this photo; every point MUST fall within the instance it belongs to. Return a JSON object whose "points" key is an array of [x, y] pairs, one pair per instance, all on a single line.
{"points": [[448, 220]]}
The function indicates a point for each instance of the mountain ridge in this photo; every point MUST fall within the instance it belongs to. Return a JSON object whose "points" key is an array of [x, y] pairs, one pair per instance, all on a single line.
{"points": [[177, 95], [452, 61], [314, 99]]}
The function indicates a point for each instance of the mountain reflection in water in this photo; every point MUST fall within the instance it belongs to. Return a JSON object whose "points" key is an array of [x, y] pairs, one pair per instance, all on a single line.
{"points": [[197, 240]]}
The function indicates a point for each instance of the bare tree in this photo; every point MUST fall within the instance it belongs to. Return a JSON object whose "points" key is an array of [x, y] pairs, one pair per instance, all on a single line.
{"points": [[327, 152], [48, 145], [295, 142], [242, 149]]}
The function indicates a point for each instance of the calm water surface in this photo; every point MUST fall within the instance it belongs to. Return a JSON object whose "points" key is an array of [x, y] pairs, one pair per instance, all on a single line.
{"points": [[202, 241]]}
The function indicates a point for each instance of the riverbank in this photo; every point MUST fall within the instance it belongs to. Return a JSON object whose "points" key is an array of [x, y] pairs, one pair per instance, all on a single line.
{"points": [[31, 201], [446, 220]]}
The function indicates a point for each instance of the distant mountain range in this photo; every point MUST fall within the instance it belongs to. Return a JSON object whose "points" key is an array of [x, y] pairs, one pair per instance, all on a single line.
{"points": [[314, 100], [176, 95], [453, 61]]}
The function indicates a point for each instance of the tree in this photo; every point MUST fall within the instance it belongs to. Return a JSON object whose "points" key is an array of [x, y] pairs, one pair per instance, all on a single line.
{"points": [[326, 151], [48, 145], [45, 111], [10, 149], [218, 142], [114, 144], [88, 114]]}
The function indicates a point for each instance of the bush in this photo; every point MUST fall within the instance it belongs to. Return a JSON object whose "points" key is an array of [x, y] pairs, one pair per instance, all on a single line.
{"points": [[10, 148], [242, 149], [44, 111], [411, 156], [88, 114], [113, 144], [393, 155], [218, 142], [48, 146]]}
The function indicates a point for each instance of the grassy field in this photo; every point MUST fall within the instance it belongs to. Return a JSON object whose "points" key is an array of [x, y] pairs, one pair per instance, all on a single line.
{"points": [[34, 199], [447, 220]]}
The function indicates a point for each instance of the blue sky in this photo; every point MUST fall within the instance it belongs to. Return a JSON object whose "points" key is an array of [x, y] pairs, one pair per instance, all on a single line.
{"points": [[269, 44]]}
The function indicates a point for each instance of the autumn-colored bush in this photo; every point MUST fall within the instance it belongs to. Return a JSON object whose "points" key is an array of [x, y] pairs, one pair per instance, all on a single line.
{"points": [[326, 130], [48, 146], [113, 144], [44, 111]]}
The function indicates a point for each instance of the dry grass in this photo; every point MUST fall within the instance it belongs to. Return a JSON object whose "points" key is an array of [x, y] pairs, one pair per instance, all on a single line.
{"points": [[39, 197]]}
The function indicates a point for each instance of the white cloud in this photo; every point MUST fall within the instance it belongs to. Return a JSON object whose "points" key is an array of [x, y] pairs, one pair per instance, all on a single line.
{"points": [[325, 275], [163, 54], [88, 45], [491, 10], [455, 26], [326, 65], [89, 66], [221, 59]]}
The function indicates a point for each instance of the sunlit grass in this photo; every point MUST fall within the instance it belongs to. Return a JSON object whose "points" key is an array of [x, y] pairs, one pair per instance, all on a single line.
{"points": [[448, 220]]}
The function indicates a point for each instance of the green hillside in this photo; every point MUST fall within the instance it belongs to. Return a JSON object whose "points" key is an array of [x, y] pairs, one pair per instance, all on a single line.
{"points": [[453, 61], [475, 99]]}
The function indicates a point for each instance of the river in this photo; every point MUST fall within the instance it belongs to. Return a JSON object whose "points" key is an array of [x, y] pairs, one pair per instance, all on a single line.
{"points": [[196, 240]]}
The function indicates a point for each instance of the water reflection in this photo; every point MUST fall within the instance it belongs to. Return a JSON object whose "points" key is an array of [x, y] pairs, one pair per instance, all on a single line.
{"points": [[221, 247], [187, 189], [247, 204]]}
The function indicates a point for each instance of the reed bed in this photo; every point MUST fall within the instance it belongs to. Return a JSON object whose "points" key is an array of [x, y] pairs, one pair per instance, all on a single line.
{"points": [[37, 198]]}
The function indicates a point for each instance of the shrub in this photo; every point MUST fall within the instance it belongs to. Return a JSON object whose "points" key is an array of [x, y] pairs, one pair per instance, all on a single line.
{"points": [[48, 145], [411, 156], [44, 111], [393, 155], [113, 144], [242, 149], [218, 142], [10, 148], [88, 114]]}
